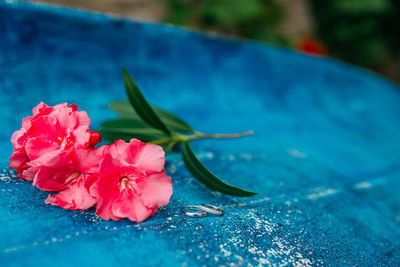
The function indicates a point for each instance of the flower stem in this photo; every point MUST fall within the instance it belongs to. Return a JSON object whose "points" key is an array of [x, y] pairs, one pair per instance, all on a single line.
{"points": [[182, 138], [222, 136]]}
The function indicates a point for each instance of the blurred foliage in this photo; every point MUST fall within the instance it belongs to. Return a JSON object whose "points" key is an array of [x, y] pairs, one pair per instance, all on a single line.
{"points": [[364, 32], [254, 19]]}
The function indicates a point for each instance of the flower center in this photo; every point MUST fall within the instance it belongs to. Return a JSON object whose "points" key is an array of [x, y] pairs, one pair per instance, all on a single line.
{"points": [[127, 182], [73, 176]]}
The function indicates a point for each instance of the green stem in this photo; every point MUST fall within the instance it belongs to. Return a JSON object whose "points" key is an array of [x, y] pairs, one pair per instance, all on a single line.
{"points": [[222, 136], [182, 138]]}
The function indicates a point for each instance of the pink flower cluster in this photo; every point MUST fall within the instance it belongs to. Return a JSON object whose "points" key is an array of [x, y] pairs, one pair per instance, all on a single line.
{"points": [[56, 151]]}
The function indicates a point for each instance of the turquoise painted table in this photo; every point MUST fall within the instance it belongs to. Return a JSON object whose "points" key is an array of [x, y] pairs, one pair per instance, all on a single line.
{"points": [[324, 156]]}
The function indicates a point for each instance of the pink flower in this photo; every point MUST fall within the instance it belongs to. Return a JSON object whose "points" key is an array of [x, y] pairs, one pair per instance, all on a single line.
{"points": [[49, 130], [55, 149], [131, 182], [71, 173]]}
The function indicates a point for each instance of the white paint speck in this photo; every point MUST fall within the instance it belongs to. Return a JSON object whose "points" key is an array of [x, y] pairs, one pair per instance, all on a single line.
{"points": [[322, 193], [363, 185], [295, 153]]}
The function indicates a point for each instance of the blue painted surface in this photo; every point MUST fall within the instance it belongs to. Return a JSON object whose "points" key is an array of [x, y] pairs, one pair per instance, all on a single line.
{"points": [[325, 154]]}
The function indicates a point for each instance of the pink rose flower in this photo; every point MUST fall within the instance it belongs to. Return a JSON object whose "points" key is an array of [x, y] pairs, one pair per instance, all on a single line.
{"points": [[131, 182], [71, 173], [49, 130]]}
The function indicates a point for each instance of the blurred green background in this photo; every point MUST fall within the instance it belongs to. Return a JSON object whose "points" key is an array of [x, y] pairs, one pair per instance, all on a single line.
{"points": [[363, 32]]}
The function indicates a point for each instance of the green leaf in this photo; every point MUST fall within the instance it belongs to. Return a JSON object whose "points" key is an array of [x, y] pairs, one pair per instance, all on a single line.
{"points": [[127, 135], [126, 123], [125, 110], [173, 121], [139, 103], [198, 170], [127, 129]]}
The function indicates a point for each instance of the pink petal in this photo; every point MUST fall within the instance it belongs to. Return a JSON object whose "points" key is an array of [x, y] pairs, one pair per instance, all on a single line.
{"points": [[119, 149], [82, 136], [26, 122], [74, 197], [58, 168], [132, 207], [52, 171], [87, 160], [40, 148], [41, 108], [156, 190], [28, 174], [44, 127], [18, 138], [61, 106], [50, 179], [106, 188], [103, 209], [83, 118], [149, 158], [65, 118], [18, 159]]}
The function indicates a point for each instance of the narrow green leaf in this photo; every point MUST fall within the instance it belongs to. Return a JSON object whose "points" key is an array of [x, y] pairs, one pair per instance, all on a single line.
{"points": [[127, 129], [133, 131], [139, 103], [173, 121], [117, 136], [125, 110], [198, 170], [126, 123], [144, 136]]}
